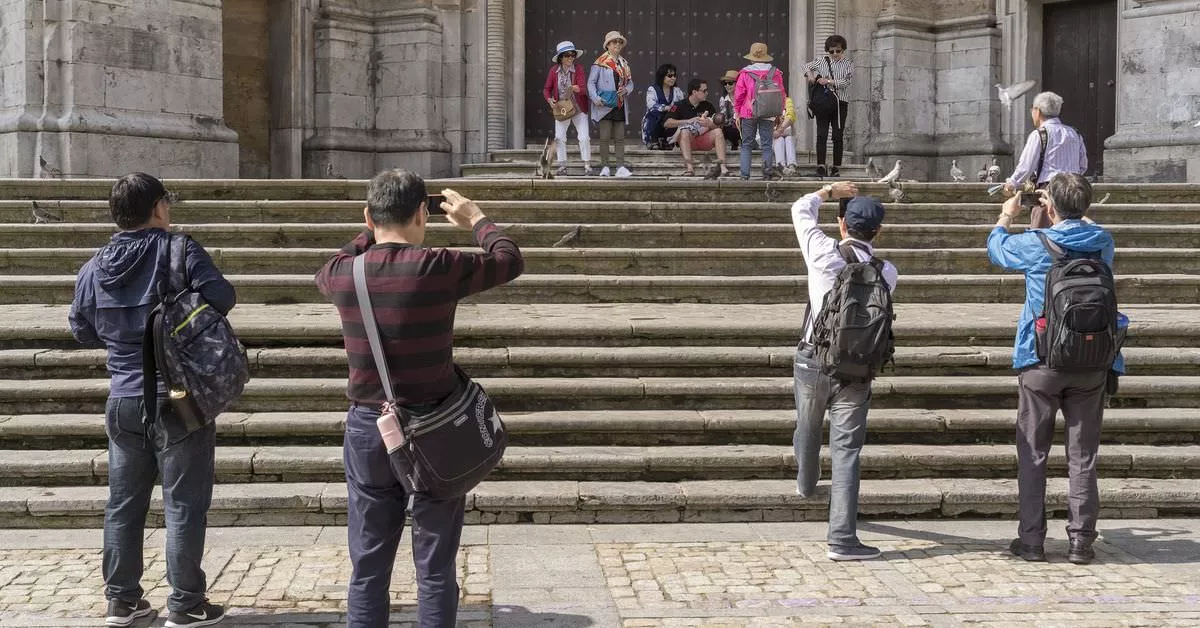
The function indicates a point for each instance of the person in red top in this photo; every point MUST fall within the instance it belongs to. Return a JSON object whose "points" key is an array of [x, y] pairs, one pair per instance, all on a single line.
{"points": [[566, 80], [415, 291]]}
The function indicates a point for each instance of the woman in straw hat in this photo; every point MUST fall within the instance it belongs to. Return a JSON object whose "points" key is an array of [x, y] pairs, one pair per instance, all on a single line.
{"points": [[566, 89], [609, 85], [754, 129]]}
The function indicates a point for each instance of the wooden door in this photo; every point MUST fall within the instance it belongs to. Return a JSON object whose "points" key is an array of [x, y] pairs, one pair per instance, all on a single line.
{"points": [[1079, 63]]}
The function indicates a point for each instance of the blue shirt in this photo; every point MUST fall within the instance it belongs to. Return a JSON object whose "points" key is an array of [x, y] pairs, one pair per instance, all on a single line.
{"points": [[1024, 252]]}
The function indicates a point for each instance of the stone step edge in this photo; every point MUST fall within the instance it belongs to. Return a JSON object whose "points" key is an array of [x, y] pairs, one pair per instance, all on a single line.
{"points": [[564, 205], [559, 501]]}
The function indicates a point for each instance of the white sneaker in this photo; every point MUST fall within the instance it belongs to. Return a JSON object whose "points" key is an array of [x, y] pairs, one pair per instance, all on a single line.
{"points": [[624, 172], [604, 172]]}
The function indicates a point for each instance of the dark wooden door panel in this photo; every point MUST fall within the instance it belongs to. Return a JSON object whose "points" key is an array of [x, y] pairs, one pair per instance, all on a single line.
{"points": [[1079, 64]]}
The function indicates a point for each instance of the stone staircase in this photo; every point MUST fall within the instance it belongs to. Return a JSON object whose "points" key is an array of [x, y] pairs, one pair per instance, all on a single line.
{"points": [[644, 370], [521, 162]]}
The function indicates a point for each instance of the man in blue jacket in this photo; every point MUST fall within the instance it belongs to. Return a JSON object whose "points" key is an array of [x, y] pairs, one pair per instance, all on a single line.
{"points": [[114, 293], [1043, 390]]}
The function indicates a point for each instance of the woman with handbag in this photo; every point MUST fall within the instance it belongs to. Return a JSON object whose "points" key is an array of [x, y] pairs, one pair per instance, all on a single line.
{"points": [[829, 79], [609, 85], [659, 100], [566, 92]]}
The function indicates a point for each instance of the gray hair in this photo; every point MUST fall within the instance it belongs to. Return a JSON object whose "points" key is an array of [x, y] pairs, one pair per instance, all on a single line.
{"points": [[1049, 103], [1071, 193]]}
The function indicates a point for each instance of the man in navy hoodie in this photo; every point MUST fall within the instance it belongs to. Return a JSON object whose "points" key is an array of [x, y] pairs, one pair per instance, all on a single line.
{"points": [[1043, 390], [114, 293]]}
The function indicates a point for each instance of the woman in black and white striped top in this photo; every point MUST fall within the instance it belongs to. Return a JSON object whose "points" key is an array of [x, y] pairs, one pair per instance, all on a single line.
{"points": [[835, 71]]}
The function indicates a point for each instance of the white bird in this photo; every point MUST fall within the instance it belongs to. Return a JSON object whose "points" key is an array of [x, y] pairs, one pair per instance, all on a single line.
{"points": [[891, 176], [1197, 124], [1103, 200], [993, 171], [873, 171], [957, 173], [1013, 92]]}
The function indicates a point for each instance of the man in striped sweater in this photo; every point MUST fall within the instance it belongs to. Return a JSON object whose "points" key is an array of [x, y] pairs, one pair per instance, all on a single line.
{"points": [[415, 292]]}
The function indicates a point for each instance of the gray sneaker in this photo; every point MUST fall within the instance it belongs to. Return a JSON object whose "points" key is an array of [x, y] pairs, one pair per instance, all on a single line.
{"points": [[852, 552]]}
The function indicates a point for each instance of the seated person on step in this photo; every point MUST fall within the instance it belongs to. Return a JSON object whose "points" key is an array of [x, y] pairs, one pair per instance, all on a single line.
{"points": [[697, 128]]}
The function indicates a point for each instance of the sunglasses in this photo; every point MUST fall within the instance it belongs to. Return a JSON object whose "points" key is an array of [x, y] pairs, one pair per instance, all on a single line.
{"points": [[727, 83], [670, 75], [835, 50], [569, 55]]}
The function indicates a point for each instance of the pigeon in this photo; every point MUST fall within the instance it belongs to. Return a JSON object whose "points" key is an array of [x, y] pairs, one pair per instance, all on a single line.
{"points": [[891, 176], [982, 174], [956, 173], [993, 171], [48, 171], [544, 171], [873, 171], [714, 172], [1197, 125], [569, 238], [1012, 92], [897, 193], [330, 174], [41, 216], [1103, 200]]}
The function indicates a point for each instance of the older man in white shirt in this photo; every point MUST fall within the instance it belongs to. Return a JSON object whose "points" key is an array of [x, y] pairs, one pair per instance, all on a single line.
{"points": [[847, 402]]}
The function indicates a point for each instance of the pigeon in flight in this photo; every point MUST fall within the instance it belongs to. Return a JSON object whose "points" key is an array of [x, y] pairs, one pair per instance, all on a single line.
{"points": [[993, 171], [891, 176], [957, 173], [873, 171], [1013, 92]]}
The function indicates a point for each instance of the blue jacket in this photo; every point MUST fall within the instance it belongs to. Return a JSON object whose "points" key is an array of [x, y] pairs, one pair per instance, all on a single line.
{"points": [[1024, 252], [115, 291]]}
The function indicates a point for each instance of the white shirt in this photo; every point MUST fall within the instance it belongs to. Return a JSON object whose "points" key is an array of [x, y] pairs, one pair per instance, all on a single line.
{"points": [[822, 257]]}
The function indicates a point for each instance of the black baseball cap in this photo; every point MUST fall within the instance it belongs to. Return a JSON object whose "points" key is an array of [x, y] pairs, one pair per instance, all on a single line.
{"points": [[864, 214]]}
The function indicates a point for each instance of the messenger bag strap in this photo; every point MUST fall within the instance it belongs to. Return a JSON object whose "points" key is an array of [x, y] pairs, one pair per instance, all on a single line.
{"points": [[837, 115], [1044, 139], [368, 317]]}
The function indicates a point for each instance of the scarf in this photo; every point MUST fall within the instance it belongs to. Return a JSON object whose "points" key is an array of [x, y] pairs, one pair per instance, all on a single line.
{"points": [[621, 67]]}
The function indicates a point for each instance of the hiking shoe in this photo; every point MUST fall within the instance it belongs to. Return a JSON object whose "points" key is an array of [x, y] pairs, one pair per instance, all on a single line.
{"points": [[604, 172], [821, 172], [1034, 553], [204, 614], [122, 613], [833, 172], [852, 552], [1081, 552], [624, 172]]}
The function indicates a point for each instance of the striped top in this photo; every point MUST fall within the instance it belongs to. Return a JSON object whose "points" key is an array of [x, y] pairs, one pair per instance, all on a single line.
{"points": [[1065, 152], [843, 73], [415, 293]]}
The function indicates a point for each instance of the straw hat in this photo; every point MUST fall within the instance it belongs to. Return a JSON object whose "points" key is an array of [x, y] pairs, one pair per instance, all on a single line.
{"points": [[731, 76], [565, 47], [612, 35], [758, 53]]}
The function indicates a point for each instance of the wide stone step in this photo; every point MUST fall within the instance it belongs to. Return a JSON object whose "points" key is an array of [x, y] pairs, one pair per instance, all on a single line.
{"points": [[669, 169], [584, 212], [656, 361], [631, 324], [1147, 426], [600, 393], [529, 288], [621, 261], [317, 503], [777, 235]]}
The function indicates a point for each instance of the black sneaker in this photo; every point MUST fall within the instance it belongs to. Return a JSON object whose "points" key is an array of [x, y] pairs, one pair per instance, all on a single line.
{"points": [[821, 172], [833, 172], [203, 615], [122, 613], [1081, 552], [1035, 553], [852, 552]]}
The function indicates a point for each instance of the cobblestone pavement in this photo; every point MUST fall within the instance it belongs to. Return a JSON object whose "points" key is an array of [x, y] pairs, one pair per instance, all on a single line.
{"points": [[933, 573]]}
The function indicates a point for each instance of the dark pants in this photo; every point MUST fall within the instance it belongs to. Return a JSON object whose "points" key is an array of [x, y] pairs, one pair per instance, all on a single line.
{"points": [[136, 456], [375, 522], [1081, 397], [839, 132], [733, 137]]}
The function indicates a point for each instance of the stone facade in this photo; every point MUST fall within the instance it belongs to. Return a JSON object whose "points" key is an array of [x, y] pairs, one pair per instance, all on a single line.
{"points": [[343, 88]]}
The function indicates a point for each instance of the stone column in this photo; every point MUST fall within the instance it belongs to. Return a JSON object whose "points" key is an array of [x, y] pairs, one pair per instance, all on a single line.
{"points": [[799, 40], [102, 89], [497, 55], [1158, 94], [824, 24]]}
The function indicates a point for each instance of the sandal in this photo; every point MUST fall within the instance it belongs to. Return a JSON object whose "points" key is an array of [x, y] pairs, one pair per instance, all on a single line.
{"points": [[689, 170]]}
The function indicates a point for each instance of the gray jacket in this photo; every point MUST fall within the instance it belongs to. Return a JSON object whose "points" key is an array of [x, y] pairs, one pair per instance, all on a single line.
{"points": [[601, 79]]}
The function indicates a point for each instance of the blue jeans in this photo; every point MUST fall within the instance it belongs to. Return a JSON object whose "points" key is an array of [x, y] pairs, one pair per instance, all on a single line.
{"points": [[847, 404], [136, 455], [760, 132], [375, 521]]}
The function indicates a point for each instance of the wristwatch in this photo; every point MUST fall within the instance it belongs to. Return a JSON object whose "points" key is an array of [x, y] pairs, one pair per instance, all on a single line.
{"points": [[828, 189]]}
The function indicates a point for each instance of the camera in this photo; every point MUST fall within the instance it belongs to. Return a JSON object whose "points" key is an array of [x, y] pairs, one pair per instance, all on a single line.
{"points": [[1030, 199]]}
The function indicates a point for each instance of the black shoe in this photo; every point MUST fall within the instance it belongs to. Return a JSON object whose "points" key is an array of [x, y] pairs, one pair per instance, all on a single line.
{"points": [[1027, 552], [821, 172], [1081, 552], [833, 172], [121, 613], [204, 614], [852, 552]]}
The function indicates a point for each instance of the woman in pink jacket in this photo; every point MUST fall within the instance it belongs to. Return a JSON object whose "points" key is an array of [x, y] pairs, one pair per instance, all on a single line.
{"points": [[567, 81], [756, 130]]}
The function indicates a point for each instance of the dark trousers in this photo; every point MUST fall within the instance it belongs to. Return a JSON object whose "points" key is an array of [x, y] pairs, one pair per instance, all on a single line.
{"points": [[1043, 392], [733, 137], [375, 522], [137, 454], [839, 132]]}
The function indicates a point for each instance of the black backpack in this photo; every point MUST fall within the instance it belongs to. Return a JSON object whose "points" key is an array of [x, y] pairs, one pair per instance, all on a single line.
{"points": [[852, 333], [822, 100], [203, 363], [1080, 312]]}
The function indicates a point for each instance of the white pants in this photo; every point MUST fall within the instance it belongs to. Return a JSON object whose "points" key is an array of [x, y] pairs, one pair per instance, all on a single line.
{"points": [[785, 149], [581, 129]]}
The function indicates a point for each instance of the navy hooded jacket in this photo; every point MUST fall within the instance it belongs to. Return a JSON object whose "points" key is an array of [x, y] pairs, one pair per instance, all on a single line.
{"points": [[115, 291]]}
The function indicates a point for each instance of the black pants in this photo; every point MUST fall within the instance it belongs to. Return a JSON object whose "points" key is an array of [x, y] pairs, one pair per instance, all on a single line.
{"points": [[733, 137], [839, 131]]}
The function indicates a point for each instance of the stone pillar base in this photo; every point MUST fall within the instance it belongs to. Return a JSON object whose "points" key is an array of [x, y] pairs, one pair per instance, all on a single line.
{"points": [[1157, 158], [72, 154], [357, 153]]}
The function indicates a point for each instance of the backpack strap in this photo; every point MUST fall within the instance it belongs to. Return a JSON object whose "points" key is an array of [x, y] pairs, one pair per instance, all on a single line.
{"points": [[170, 284], [1055, 251], [368, 317]]}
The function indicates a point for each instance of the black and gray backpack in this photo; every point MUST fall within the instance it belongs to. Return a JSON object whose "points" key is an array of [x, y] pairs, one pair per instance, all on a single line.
{"points": [[1080, 309], [852, 333]]}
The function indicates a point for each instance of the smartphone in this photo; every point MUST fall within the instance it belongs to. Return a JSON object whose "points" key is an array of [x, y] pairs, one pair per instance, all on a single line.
{"points": [[434, 203], [1030, 199]]}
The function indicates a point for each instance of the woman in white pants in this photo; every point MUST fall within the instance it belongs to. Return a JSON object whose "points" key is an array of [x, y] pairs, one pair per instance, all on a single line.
{"points": [[566, 86], [784, 142]]}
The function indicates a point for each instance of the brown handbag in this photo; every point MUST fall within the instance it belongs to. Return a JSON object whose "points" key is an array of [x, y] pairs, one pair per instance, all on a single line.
{"points": [[564, 109]]}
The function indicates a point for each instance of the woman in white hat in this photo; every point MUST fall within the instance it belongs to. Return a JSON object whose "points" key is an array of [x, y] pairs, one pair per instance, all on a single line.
{"points": [[566, 92], [609, 85]]}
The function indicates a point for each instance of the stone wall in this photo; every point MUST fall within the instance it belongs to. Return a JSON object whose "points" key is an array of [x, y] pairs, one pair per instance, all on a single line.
{"points": [[247, 107]]}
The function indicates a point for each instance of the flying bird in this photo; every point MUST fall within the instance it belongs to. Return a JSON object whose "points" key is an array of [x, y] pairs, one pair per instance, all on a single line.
{"points": [[569, 238], [957, 173], [891, 176], [873, 171], [1013, 92], [993, 171]]}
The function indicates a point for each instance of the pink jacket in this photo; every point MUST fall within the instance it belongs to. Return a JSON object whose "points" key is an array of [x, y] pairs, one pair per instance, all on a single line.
{"points": [[743, 103]]}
